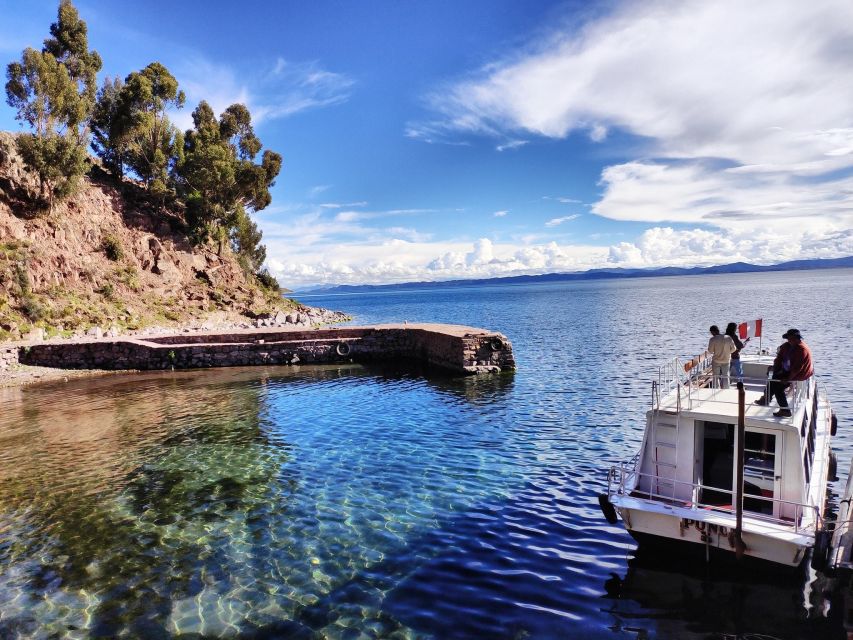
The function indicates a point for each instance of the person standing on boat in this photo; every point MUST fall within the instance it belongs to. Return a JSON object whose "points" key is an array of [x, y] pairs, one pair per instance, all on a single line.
{"points": [[737, 365], [793, 363], [721, 348]]}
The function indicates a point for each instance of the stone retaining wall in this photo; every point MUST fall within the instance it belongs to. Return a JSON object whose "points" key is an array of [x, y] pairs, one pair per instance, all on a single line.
{"points": [[457, 349], [8, 357]]}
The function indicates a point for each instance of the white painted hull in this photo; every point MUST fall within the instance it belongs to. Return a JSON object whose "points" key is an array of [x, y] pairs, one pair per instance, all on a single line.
{"points": [[714, 535]]}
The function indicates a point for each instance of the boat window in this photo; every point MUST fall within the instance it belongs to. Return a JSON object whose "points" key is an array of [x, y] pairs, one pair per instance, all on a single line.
{"points": [[759, 471]]}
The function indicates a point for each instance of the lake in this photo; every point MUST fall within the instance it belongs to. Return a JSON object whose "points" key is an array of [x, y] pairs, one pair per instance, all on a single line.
{"points": [[376, 502]]}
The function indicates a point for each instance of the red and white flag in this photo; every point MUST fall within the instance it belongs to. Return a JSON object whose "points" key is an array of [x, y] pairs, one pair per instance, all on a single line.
{"points": [[749, 329]]}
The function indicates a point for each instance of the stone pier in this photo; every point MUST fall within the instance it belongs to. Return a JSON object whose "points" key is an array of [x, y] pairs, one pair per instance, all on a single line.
{"points": [[452, 348]]}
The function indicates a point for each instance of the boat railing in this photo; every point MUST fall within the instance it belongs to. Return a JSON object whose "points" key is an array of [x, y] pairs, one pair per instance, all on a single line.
{"points": [[624, 480], [677, 386]]}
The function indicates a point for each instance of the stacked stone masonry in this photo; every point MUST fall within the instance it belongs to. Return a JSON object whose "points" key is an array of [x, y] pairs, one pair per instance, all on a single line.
{"points": [[9, 356], [457, 349]]}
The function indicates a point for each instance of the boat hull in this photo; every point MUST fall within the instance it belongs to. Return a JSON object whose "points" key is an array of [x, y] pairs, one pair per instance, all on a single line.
{"points": [[711, 541]]}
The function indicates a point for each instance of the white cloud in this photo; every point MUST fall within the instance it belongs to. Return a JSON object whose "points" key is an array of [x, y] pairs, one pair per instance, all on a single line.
{"points": [[740, 109], [286, 89], [661, 246], [511, 144], [500, 214], [292, 87], [399, 260], [337, 205], [563, 200], [553, 222], [315, 191]]}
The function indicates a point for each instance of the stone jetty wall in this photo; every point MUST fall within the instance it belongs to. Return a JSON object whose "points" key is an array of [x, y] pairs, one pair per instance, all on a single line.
{"points": [[453, 348], [9, 356]]}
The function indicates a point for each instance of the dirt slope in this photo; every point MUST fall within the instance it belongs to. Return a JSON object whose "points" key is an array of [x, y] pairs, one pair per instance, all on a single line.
{"points": [[106, 258]]}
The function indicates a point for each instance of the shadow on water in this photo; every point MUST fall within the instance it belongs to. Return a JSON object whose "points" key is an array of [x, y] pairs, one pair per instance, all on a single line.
{"points": [[658, 597]]}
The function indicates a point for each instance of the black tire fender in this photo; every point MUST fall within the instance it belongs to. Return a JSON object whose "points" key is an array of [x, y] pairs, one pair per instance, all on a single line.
{"points": [[607, 508], [820, 551]]}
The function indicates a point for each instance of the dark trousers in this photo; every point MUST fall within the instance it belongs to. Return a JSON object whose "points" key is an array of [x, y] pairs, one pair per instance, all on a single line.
{"points": [[776, 388]]}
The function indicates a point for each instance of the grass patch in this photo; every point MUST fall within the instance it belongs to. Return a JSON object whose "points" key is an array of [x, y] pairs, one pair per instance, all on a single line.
{"points": [[107, 290], [129, 277]]}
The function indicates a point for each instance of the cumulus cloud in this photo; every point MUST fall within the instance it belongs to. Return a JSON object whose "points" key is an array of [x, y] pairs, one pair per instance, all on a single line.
{"points": [[665, 246], [740, 110], [377, 258]]}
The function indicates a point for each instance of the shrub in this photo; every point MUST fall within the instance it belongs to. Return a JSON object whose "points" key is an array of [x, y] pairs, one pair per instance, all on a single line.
{"points": [[268, 281], [111, 247], [22, 279], [129, 277], [32, 308], [107, 290]]}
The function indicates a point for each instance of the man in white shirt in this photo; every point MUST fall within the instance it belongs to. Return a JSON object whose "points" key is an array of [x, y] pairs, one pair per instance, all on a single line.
{"points": [[721, 348]]}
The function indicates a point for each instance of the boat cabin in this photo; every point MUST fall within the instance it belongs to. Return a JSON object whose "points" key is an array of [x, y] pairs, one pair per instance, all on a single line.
{"points": [[689, 449]]}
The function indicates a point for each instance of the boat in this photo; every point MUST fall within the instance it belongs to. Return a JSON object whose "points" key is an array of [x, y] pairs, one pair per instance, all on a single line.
{"points": [[720, 476]]}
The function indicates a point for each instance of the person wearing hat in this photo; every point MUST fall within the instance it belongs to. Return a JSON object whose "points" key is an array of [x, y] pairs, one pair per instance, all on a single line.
{"points": [[793, 363]]}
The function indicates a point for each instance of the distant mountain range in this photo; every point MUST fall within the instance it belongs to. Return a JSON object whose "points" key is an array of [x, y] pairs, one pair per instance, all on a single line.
{"points": [[594, 274]]}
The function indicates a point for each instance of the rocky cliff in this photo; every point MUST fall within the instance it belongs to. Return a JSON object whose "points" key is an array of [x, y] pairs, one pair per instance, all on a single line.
{"points": [[107, 260]]}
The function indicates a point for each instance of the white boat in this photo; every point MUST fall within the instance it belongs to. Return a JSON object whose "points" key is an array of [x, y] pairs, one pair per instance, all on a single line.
{"points": [[683, 487]]}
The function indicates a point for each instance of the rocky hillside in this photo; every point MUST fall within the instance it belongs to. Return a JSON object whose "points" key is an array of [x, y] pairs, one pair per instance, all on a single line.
{"points": [[108, 260]]}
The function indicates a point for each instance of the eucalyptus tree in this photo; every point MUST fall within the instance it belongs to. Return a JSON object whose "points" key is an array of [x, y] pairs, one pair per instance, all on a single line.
{"points": [[53, 92], [154, 144], [109, 127], [222, 181], [69, 44]]}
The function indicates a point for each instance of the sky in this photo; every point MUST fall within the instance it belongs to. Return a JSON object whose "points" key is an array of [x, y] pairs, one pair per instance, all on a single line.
{"points": [[437, 140]]}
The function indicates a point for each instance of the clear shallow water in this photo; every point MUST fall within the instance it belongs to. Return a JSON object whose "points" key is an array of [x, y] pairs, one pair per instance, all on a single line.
{"points": [[356, 503]]}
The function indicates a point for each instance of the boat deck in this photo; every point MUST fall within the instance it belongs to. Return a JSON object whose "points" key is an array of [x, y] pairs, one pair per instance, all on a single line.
{"points": [[780, 530], [719, 405]]}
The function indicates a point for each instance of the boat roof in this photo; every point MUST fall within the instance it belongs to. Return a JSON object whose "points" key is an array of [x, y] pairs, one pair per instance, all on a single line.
{"points": [[721, 405]]}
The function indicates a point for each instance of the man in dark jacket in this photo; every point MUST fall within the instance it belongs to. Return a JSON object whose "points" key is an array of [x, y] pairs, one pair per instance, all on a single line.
{"points": [[793, 363]]}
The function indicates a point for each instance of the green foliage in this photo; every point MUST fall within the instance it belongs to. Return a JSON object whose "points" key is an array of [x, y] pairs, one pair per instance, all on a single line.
{"points": [[129, 277], [29, 306], [246, 241], [69, 45], [107, 290], [152, 139], [131, 128], [32, 308], [108, 127], [22, 279], [218, 175], [111, 247], [59, 161], [53, 92], [268, 281], [214, 168]]}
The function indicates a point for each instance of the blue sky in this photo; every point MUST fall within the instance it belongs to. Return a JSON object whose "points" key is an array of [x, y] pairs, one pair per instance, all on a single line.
{"points": [[437, 140]]}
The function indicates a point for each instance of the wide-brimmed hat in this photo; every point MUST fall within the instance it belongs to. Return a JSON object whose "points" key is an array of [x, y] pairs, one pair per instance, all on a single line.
{"points": [[792, 333]]}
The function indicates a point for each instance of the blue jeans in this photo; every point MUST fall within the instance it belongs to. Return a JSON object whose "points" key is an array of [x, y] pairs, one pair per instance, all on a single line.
{"points": [[737, 370]]}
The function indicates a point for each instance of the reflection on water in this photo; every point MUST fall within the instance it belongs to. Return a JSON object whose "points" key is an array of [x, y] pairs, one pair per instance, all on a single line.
{"points": [[223, 502], [353, 502], [660, 597]]}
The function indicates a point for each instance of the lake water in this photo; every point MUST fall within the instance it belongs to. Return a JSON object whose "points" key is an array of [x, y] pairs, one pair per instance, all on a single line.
{"points": [[354, 502]]}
